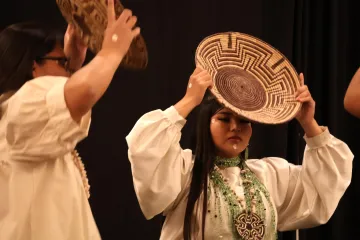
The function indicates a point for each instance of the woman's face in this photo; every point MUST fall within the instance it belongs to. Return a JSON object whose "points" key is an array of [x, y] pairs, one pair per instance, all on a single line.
{"points": [[230, 133]]}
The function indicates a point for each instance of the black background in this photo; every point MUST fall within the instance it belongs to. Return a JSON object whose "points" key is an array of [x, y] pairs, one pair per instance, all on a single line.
{"points": [[321, 38]]}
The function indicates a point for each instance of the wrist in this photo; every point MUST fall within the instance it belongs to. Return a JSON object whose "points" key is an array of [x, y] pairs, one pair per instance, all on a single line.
{"points": [[112, 59], [185, 106], [190, 102], [111, 56]]}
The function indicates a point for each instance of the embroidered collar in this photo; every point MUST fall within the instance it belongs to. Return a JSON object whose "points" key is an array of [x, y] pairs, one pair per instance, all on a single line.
{"points": [[228, 162]]}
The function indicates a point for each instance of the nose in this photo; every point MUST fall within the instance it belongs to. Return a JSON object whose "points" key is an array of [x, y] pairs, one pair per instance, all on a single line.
{"points": [[234, 126]]}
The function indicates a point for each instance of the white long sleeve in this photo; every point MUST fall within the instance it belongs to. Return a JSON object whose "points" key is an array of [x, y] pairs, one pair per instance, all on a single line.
{"points": [[302, 196], [307, 195], [159, 165]]}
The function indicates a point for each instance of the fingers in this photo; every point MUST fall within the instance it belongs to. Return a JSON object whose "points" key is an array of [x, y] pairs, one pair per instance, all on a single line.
{"points": [[202, 79], [111, 12], [136, 32], [71, 34], [208, 83], [303, 95], [301, 90], [301, 79], [124, 16], [197, 70], [305, 99], [69, 27], [202, 73], [132, 21], [67, 33]]}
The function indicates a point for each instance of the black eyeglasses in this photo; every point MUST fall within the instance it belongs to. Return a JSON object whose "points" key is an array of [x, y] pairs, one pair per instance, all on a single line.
{"points": [[62, 61]]}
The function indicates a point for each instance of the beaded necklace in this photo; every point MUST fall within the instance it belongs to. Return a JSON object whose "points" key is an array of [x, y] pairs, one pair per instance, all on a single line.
{"points": [[248, 211], [80, 165]]}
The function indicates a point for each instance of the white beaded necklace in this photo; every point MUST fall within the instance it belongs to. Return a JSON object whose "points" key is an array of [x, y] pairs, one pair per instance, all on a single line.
{"points": [[80, 165]]}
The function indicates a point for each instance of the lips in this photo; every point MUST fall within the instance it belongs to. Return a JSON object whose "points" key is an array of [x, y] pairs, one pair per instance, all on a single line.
{"points": [[235, 138]]}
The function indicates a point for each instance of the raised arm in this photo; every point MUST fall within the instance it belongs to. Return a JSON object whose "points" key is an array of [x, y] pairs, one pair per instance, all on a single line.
{"points": [[352, 96], [160, 167], [87, 85], [40, 117], [307, 195]]}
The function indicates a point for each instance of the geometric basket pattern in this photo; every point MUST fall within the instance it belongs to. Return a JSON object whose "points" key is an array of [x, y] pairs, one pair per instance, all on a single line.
{"points": [[250, 77]]}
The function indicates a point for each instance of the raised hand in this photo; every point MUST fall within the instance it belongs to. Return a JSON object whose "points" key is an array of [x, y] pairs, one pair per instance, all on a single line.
{"points": [[199, 81], [74, 48], [303, 95], [119, 32]]}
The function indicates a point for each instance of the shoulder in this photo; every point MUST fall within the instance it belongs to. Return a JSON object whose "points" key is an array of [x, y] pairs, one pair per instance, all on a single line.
{"points": [[43, 83], [38, 87], [268, 164]]}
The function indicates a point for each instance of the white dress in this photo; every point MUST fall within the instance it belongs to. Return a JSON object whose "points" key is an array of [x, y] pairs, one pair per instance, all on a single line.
{"points": [[43, 192], [302, 196]]}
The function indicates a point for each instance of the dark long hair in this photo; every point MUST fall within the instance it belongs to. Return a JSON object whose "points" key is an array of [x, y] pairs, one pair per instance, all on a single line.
{"points": [[204, 161], [20, 45]]}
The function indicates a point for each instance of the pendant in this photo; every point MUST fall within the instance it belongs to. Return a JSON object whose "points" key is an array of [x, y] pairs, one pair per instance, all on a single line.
{"points": [[250, 226]]}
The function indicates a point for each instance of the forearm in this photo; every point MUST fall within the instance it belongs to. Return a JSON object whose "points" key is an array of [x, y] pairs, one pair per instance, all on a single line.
{"points": [[87, 85], [352, 97], [311, 128]]}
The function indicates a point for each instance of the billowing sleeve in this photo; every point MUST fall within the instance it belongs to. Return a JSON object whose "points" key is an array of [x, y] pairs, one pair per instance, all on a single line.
{"points": [[39, 125], [160, 167], [306, 196]]}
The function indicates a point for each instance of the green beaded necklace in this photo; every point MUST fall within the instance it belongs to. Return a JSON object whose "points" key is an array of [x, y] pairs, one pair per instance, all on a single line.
{"points": [[248, 211]]}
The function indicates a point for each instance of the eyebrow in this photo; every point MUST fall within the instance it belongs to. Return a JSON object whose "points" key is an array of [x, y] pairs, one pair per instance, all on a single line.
{"points": [[232, 114], [226, 113]]}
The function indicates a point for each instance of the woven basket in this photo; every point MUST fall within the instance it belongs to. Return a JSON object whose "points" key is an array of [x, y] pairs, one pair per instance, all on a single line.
{"points": [[251, 78], [90, 20]]}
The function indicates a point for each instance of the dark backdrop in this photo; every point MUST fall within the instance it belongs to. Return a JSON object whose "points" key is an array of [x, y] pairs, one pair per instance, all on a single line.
{"points": [[320, 37]]}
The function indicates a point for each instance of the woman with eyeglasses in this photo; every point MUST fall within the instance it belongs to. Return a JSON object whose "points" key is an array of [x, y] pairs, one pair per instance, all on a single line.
{"points": [[44, 112], [216, 192]]}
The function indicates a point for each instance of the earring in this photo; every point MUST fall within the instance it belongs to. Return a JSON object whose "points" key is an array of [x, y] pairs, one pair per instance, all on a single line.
{"points": [[246, 153]]}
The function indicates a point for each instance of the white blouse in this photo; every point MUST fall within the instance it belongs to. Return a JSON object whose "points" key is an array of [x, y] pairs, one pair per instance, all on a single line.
{"points": [[42, 189], [302, 196]]}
